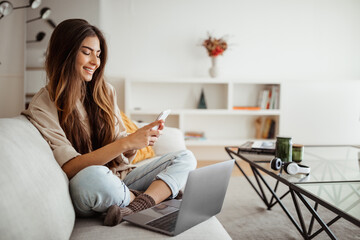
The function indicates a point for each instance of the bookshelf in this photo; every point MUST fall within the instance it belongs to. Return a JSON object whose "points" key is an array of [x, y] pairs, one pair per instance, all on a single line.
{"points": [[220, 124]]}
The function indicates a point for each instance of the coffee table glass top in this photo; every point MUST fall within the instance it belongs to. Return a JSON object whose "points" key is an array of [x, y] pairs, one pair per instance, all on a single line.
{"points": [[343, 195], [334, 177], [327, 163]]}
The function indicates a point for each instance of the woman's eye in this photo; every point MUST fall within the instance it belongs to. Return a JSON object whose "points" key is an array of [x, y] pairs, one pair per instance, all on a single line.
{"points": [[86, 53]]}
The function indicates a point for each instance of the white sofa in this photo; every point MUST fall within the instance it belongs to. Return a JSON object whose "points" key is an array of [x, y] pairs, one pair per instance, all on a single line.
{"points": [[34, 196]]}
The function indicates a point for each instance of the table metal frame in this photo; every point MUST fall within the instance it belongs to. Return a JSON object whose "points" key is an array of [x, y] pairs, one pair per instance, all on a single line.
{"points": [[296, 193]]}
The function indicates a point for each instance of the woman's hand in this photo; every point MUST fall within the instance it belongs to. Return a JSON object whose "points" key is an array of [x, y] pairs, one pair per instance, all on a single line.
{"points": [[145, 136]]}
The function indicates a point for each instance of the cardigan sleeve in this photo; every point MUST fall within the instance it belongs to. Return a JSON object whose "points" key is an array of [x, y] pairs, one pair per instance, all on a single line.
{"points": [[120, 129], [43, 115]]}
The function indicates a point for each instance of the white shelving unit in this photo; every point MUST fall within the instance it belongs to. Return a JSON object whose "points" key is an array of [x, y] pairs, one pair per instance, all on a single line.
{"points": [[221, 125]]}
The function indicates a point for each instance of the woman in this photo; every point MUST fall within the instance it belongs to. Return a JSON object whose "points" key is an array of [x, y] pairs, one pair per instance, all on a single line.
{"points": [[77, 114]]}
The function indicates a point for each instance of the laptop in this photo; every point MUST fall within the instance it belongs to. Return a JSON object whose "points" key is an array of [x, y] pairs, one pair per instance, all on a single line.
{"points": [[203, 198]]}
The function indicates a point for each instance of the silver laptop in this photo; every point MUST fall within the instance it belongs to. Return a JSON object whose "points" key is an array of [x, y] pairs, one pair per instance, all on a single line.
{"points": [[203, 198]]}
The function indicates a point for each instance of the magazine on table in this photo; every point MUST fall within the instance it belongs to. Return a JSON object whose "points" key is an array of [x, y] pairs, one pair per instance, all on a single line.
{"points": [[260, 147]]}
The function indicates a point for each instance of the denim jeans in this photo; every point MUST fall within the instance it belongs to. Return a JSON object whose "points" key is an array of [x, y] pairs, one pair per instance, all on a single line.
{"points": [[94, 189]]}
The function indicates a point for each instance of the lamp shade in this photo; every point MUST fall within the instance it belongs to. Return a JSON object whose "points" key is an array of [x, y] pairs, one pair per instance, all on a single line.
{"points": [[39, 37], [34, 3], [45, 13], [5, 8]]}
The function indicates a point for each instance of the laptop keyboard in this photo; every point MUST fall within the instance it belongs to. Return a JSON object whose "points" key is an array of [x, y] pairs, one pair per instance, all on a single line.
{"points": [[166, 222]]}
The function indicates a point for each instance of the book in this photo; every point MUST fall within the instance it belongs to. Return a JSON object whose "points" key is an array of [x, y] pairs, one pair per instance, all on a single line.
{"points": [[274, 97], [264, 98], [271, 133], [266, 128], [268, 102], [259, 147]]}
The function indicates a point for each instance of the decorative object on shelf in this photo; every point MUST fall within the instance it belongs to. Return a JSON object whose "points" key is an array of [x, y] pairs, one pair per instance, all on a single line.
{"points": [[6, 7], [214, 69], [202, 102], [214, 47], [39, 37]]}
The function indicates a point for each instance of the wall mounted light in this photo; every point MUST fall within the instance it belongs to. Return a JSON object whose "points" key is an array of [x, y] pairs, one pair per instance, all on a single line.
{"points": [[6, 7], [44, 14], [51, 23], [39, 37], [32, 3]]}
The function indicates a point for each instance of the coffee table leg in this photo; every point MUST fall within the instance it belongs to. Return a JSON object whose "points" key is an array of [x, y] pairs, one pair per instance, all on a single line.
{"points": [[317, 217]]}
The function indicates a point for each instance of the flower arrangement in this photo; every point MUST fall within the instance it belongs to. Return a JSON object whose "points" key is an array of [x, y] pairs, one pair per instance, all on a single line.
{"points": [[215, 46]]}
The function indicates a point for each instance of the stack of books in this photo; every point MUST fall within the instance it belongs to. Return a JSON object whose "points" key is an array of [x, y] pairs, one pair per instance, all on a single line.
{"points": [[194, 136], [269, 98]]}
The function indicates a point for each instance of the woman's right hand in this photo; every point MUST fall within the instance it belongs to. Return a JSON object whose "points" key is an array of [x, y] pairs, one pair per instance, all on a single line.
{"points": [[145, 136]]}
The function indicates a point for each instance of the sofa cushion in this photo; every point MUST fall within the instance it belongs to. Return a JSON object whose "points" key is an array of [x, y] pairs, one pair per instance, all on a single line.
{"points": [[144, 153], [171, 140], [92, 228], [35, 201]]}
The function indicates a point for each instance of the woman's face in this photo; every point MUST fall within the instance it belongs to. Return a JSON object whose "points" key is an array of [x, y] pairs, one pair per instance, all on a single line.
{"points": [[88, 58]]}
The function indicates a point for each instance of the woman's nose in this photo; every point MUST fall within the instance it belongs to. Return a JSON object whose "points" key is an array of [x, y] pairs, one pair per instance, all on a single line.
{"points": [[94, 59]]}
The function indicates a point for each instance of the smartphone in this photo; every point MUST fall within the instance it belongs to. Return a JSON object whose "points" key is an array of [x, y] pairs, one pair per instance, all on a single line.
{"points": [[162, 116]]}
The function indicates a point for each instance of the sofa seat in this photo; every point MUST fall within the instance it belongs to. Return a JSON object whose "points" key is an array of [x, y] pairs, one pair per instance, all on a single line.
{"points": [[92, 228], [34, 192]]}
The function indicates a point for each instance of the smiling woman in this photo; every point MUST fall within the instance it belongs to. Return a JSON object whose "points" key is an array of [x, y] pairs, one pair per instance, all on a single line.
{"points": [[88, 58], [78, 115]]}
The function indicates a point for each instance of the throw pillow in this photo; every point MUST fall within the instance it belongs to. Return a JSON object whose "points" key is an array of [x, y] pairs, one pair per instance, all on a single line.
{"points": [[143, 153]]}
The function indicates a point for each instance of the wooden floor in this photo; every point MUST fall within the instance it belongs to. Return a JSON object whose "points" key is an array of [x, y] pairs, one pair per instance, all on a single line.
{"points": [[236, 171]]}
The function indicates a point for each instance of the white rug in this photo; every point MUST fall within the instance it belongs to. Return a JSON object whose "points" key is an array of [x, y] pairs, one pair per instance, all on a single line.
{"points": [[244, 216]]}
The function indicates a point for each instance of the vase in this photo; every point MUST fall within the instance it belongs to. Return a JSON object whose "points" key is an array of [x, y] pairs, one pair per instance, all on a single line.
{"points": [[214, 70]]}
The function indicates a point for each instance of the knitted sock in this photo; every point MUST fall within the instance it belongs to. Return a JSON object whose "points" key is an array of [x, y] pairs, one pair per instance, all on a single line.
{"points": [[180, 195], [141, 202], [115, 213]]}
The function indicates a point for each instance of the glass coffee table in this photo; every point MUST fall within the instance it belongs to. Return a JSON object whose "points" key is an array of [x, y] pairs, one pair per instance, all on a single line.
{"points": [[334, 183]]}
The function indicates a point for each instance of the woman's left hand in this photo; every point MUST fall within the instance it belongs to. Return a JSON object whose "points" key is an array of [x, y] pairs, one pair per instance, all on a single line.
{"points": [[155, 137]]}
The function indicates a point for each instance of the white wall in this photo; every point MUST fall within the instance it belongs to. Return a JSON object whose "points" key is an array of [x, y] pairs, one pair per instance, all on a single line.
{"points": [[280, 39], [312, 46], [12, 59]]}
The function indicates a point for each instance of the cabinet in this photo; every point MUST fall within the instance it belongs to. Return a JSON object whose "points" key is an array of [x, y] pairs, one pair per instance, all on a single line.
{"points": [[219, 122]]}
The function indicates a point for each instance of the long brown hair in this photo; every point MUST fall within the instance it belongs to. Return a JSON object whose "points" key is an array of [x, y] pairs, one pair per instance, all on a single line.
{"points": [[66, 87]]}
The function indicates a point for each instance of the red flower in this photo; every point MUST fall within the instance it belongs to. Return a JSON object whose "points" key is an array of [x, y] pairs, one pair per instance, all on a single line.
{"points": [[214, 46]]}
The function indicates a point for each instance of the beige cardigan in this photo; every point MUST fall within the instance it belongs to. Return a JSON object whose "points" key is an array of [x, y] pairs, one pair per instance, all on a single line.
{"points": [[43, 115]]}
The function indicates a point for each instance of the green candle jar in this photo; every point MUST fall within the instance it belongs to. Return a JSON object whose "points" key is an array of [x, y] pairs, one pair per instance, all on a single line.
{"points": [[283, 149], [297, 152]]}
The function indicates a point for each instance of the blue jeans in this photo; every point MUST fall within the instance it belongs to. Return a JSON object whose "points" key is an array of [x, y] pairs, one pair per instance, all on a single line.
{"points": [[94, 189]]}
